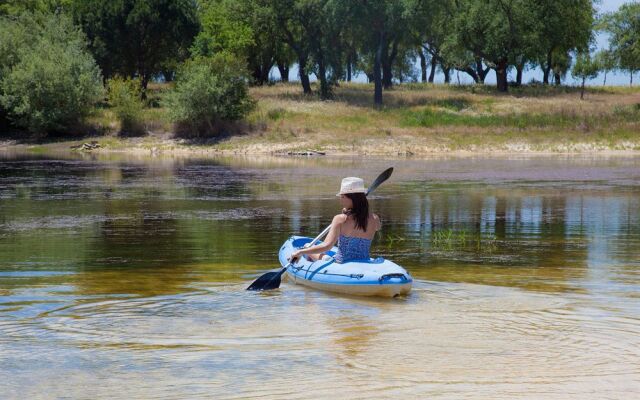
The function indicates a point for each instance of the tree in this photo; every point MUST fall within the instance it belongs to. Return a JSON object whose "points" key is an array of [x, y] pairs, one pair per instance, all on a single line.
{"points": [[624, 40], [585, 68], [245, 28], [607, 62], [561, 65], [427, 22], [313, 30], [48, 80], [382, 26], [322, 23], [137, 38], [210, 91], [291, 32], [497, 31], [561, 26]]}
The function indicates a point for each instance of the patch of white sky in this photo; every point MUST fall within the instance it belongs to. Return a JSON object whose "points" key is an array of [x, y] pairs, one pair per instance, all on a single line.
{"points": [[615, 78]]}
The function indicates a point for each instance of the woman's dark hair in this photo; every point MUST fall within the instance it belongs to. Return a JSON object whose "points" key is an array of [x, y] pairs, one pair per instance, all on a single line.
{"points": [[360, 210]]}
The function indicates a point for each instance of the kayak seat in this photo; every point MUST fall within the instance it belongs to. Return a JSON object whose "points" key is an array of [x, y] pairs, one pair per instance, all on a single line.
{"points": [[298, 243]]}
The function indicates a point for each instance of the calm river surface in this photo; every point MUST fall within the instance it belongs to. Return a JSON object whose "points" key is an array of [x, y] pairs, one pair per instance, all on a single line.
{"points": [[124, 277]]}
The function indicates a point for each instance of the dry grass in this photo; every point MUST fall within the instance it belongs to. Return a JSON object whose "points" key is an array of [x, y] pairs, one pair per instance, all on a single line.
{"points": [[415, 119], [421, 118]]}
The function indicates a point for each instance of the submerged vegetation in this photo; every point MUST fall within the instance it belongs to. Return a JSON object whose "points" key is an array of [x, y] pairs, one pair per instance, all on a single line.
{"points": [[446, 240]]}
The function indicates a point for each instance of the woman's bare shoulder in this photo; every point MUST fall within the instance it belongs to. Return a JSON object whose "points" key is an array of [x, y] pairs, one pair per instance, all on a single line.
{"points": [[340, 218]]}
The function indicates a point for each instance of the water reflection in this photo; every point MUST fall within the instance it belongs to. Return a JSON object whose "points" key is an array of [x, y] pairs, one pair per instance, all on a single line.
{"points": [[527, 278]]}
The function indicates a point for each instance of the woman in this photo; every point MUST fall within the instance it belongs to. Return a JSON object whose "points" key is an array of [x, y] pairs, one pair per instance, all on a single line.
{"points": [[353, 229]]}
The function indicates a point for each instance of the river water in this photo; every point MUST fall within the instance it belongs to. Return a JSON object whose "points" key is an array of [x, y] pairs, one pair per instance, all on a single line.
{"points": [[124, 277]]}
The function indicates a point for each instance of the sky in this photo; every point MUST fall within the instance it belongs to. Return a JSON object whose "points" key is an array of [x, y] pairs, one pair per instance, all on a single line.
{"points": [[613, 78]]}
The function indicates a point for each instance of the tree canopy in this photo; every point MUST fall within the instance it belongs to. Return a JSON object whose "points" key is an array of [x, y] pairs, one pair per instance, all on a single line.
{"points": [[332, 39], [138, 38], [624, 29]]}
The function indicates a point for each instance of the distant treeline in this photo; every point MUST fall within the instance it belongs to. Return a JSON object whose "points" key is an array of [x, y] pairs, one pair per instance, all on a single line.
{"points": [[334, 39]]}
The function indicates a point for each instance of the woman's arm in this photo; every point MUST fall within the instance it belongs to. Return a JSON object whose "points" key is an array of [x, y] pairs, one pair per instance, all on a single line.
{"points": [[328, 243], [378, 222]]}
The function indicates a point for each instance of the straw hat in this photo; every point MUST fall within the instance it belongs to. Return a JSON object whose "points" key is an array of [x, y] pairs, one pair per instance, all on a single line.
{"points": [[352, 185]]}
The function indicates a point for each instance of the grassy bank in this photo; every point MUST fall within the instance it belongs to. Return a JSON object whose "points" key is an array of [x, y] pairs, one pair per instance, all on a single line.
{"points": [[416, 119]]}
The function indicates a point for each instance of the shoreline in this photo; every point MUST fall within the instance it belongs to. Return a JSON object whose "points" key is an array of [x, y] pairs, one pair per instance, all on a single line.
{"points": [[419, 121], [154, 146]]}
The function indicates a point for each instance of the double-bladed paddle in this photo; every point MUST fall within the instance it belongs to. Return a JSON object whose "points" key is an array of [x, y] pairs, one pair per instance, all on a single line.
{"points": [[271, 280]]}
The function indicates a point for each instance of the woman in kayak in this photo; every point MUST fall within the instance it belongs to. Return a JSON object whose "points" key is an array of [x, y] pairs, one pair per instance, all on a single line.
{"points": [[353, 230]]}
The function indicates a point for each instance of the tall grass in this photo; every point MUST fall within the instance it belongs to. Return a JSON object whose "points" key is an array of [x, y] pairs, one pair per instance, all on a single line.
{"points": [[430, 117]]}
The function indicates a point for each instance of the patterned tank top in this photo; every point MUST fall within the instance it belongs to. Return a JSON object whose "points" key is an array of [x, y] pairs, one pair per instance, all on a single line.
{"points": [[352, 248]]}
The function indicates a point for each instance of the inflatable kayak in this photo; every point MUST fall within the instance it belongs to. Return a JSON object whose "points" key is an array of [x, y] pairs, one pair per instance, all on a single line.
{"points": [[372, 277]]}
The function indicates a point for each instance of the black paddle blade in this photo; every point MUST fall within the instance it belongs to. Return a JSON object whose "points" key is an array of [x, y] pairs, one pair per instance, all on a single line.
{"points": [[268, 281], [381, 178]]}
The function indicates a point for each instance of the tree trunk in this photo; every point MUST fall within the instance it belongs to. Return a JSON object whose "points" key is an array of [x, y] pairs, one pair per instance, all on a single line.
{"points": [[481, 72], [387, 65], [144, 82], [605, 79], [386, 76], [545, 76], [423, 66], [349, 68], [325, 89], [304, 77], [582, 89], [447, 74], [168, 75], [519, 69], [284, 72], [630, 81], [257, 76], [501, 76], [432, 74], [472, 73], [547, 68], [377, 75], [556, 77], [261, 71]]}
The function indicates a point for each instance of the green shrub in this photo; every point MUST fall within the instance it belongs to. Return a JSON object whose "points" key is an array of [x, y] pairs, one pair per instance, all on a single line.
{"points": [[208, 92], [50, 82], [125, 100]]}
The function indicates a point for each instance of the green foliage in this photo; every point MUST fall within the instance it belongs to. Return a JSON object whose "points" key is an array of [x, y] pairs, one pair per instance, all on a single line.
{"points": [[208, 92], [138, 38], [223, 29], [624, 40], [48, 81], [245, 28], [606, 60], [561, 26], [585, 67], [17, 7], [124, 96]]}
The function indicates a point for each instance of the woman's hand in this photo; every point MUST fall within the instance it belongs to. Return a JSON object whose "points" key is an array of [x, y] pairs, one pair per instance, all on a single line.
{"points": [[294, 256]]}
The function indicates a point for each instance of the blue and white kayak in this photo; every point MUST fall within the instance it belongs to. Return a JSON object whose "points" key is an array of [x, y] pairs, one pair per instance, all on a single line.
{"points": [[372, 277]]}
